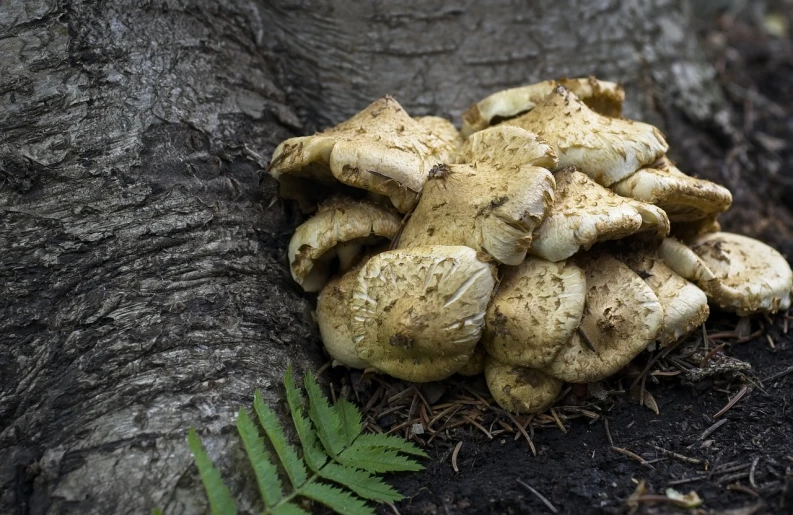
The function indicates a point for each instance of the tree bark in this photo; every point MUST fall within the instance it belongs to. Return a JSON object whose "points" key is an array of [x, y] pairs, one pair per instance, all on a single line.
{"points": [[142, 266]]}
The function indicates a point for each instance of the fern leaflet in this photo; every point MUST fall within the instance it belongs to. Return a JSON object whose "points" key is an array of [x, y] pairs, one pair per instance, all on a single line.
{"points": [[266, 473], [286, 453], [220, 500], [325, 419]]}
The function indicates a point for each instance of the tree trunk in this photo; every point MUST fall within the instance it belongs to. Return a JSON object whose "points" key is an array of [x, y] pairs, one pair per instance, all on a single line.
{"points": [[142, 267]]}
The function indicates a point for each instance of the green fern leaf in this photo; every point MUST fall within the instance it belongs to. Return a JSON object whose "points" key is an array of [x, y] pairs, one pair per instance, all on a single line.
{"points": [[286, 453], [312, 453], [220, 500], [288, 509], [360, 482], [395, 443], [266, 473], [156, 511], [336, 499], [350, 418], [325, 419], [376, 460]]}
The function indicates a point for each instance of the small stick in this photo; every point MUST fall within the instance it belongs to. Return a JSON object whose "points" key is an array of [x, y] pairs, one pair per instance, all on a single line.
{"points": [[632, 455], [737, 487], [478, 426], [712, 429], [751, 472], [779, 374], [558, 421], [684, 481], [525, 434], [586, 340], [454, 455], [608, 432], [710, 355], [681, 457], [733, 402], [545, 501]]}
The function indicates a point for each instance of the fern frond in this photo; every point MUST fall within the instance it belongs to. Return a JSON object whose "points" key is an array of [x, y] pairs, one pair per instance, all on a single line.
{"points": [[288, 509], [312, 453], [266, 473], [395, 443], [220, 501], [336, 499], [376, 459], [362, 483], [325, 419], [350, 418], [287, 454]]}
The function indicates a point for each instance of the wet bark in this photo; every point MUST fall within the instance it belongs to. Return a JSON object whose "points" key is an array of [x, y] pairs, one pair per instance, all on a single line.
{"points": [[143, 280]]}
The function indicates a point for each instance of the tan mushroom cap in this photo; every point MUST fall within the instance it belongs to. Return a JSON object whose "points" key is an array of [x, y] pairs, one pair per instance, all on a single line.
{"points": [[475, 364], [685, 305], [340, 229], [381, 149], [334, 318], [521, 389], [682, 198], [603, 97], [508, 147], [606, 149], [585, 213], [622, 316], [418, 313], [489, 208], [737, 273], [536, 310]]}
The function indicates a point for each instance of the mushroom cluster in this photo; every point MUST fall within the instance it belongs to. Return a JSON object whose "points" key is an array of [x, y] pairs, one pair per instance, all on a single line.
{"points": [[437, 252]]}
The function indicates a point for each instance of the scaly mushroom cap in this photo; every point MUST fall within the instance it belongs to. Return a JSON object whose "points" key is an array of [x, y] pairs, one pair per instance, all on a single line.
{"points": [[683, 198], [521, 389], [606, 149], [737, 273], [585, 213], [685, 305], [486, 207], [507, 147], [622, 316], [603, 97], [475, 364], [334, 318], [418, 313], [381, 149], [340, 229], [536, 310]]}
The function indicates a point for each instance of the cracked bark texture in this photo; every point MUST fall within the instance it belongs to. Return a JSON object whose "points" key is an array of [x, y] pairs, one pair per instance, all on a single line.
{"points": [[142, 265]]}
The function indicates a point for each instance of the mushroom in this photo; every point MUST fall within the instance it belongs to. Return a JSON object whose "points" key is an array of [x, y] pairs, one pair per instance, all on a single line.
{"points": [[683, 198], [585, 213], [475, 364], [381, 149], [685, 305], [507, 146], [418, 313], [536, 310], [521, 389], [334, 317], [737, 273], [603, 97], [606, 149], [622, 316], [340, 229]]}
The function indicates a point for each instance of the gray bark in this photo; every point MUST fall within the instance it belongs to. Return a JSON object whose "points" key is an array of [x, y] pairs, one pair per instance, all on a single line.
{"points": [[143, 281]]}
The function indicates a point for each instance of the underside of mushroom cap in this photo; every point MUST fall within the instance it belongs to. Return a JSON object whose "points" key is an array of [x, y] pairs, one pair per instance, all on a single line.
{"points": [[381, 149], [334, 318], [585, 213], [606, 149], [622, 316], [536, 310], [683, 198], [737, 273], [603, 97], [489, 208], [418, 313], [521, 389], [340, 229], [507, 146]]}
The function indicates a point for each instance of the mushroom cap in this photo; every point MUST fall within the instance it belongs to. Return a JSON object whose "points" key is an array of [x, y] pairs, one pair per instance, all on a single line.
{"points": [[486, 207], [381, 149], [508, 147], [475, 364], [585, 213], [334, 318], [340, 229], [606, 149], [418, 313], [737, 273], [685, 305], [683, 198], [521, 389], [622, 316], [603, 97], [536, 310]]}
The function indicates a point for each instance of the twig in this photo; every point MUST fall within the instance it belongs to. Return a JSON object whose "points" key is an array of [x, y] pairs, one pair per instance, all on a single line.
{"points": [[779, 374], [712, 429], [737, 487], [680, 457], [751, 472], [545, 501], [608, 432], [733, 402], [454, 455], [632, 455]]}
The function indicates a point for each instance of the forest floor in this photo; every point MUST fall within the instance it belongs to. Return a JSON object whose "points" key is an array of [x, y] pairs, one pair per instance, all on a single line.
{"points": [[727, 437]]}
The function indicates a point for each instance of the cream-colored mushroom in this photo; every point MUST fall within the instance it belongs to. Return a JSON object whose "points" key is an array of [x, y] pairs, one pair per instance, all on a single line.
{"points": [[606, 149], [683, 198], [381, 149], [521, 389], [603, 97], [418, 313], [340, 229], [334, 318], [622, 316], [475, 364], [585, 213], [737, 273], [508, 147], [536, 310]]}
